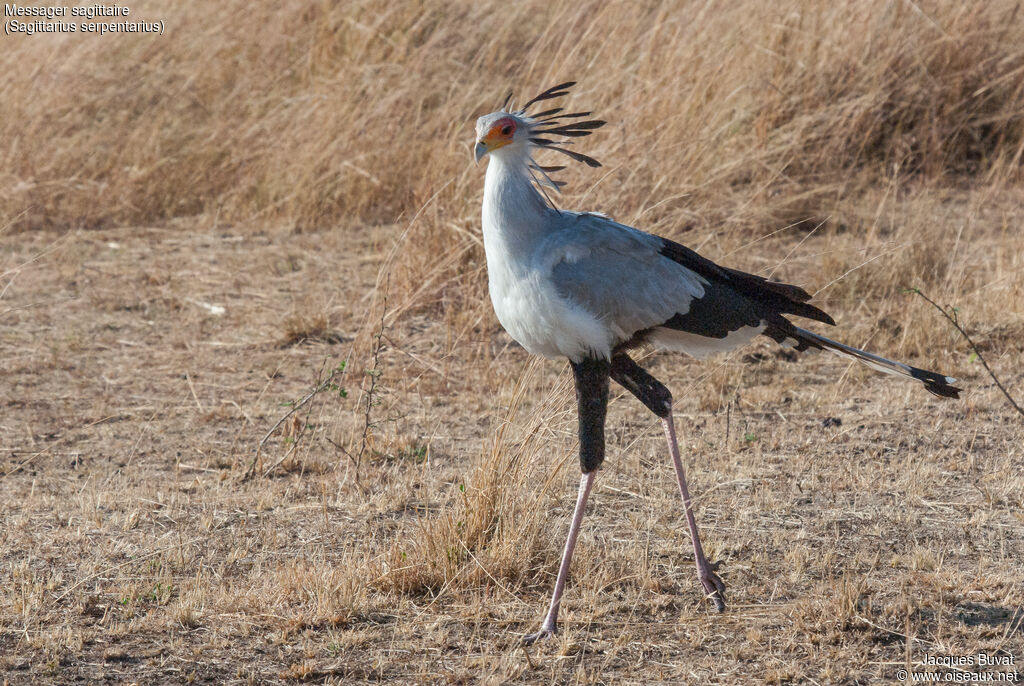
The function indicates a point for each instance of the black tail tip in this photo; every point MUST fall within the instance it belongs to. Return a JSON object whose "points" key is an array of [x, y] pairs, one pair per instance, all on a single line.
{"points": [[936, 384], [943, 390]]}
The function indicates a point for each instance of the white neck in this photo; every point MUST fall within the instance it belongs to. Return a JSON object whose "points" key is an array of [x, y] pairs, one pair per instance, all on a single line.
{"points": [[514, 213]]}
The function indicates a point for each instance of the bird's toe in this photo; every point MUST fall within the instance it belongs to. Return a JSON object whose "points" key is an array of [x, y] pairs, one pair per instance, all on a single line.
{"points": [[716, 591], [714, 586], [542, 635]]}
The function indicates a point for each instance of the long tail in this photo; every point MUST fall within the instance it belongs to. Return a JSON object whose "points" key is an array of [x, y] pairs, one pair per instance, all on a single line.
{"points": [[801, 339]]}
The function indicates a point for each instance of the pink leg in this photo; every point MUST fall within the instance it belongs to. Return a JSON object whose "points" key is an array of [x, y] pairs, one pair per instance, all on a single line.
{"points": [[714, 586], [550, 625]]}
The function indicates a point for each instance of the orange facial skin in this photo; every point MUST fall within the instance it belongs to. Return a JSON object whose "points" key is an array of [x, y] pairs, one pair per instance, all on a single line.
{"points": [[500, 135]]}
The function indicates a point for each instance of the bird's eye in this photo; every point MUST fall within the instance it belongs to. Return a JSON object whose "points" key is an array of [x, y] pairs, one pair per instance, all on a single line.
{"points": [[506, 130]]}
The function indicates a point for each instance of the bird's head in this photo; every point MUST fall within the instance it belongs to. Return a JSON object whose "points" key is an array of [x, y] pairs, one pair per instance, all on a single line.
{"points": [[498, 130], [522, 132]]}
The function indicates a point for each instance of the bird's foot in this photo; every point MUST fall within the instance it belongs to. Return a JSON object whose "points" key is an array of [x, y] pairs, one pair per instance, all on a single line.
{"points": [[546, 632], [712, 583]]}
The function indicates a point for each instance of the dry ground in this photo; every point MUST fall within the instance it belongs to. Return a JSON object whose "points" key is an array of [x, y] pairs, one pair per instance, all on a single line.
{"points": [[131, 550], [196, 229]]}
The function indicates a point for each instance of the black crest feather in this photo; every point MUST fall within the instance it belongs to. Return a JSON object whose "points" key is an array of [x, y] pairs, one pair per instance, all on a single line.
{"points": [[553, 92], [548, 125], [578, 156]]}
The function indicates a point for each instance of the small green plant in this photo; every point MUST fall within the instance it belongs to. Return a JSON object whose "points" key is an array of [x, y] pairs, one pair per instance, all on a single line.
{"points": [[160, 593], [333, 386], [416, 453]]}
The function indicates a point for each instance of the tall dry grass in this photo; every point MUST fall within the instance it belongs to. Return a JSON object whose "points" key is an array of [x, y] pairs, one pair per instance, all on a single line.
{"points": [[318, 114], [495, 531]]}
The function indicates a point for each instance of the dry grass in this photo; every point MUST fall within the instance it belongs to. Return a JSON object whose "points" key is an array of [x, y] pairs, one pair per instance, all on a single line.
{"points": [[198, 227]]}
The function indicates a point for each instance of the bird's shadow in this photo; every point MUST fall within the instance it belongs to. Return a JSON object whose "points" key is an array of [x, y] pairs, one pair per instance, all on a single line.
{"points": [[979, 614]]}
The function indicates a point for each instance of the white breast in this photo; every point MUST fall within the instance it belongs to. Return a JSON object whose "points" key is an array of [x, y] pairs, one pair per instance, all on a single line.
{"points": [[515, 221], [533, 313]]}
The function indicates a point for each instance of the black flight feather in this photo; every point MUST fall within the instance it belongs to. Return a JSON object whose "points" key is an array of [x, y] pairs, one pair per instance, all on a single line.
{"points": [[767, 296]]}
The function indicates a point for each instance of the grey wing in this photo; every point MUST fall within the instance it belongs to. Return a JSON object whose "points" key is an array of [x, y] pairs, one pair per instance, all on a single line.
{"points": [[618, 274]]}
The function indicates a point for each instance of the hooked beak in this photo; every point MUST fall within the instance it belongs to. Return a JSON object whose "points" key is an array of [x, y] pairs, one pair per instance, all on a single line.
{"points": [[490, 143]]}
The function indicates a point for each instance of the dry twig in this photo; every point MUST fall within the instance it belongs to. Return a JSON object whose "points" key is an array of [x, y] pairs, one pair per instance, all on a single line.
{"points": [[328, 383], [374, 374], [955, 323]]}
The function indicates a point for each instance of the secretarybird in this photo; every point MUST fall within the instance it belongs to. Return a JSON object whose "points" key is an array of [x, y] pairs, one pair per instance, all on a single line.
{"points": [[581, 286]]}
